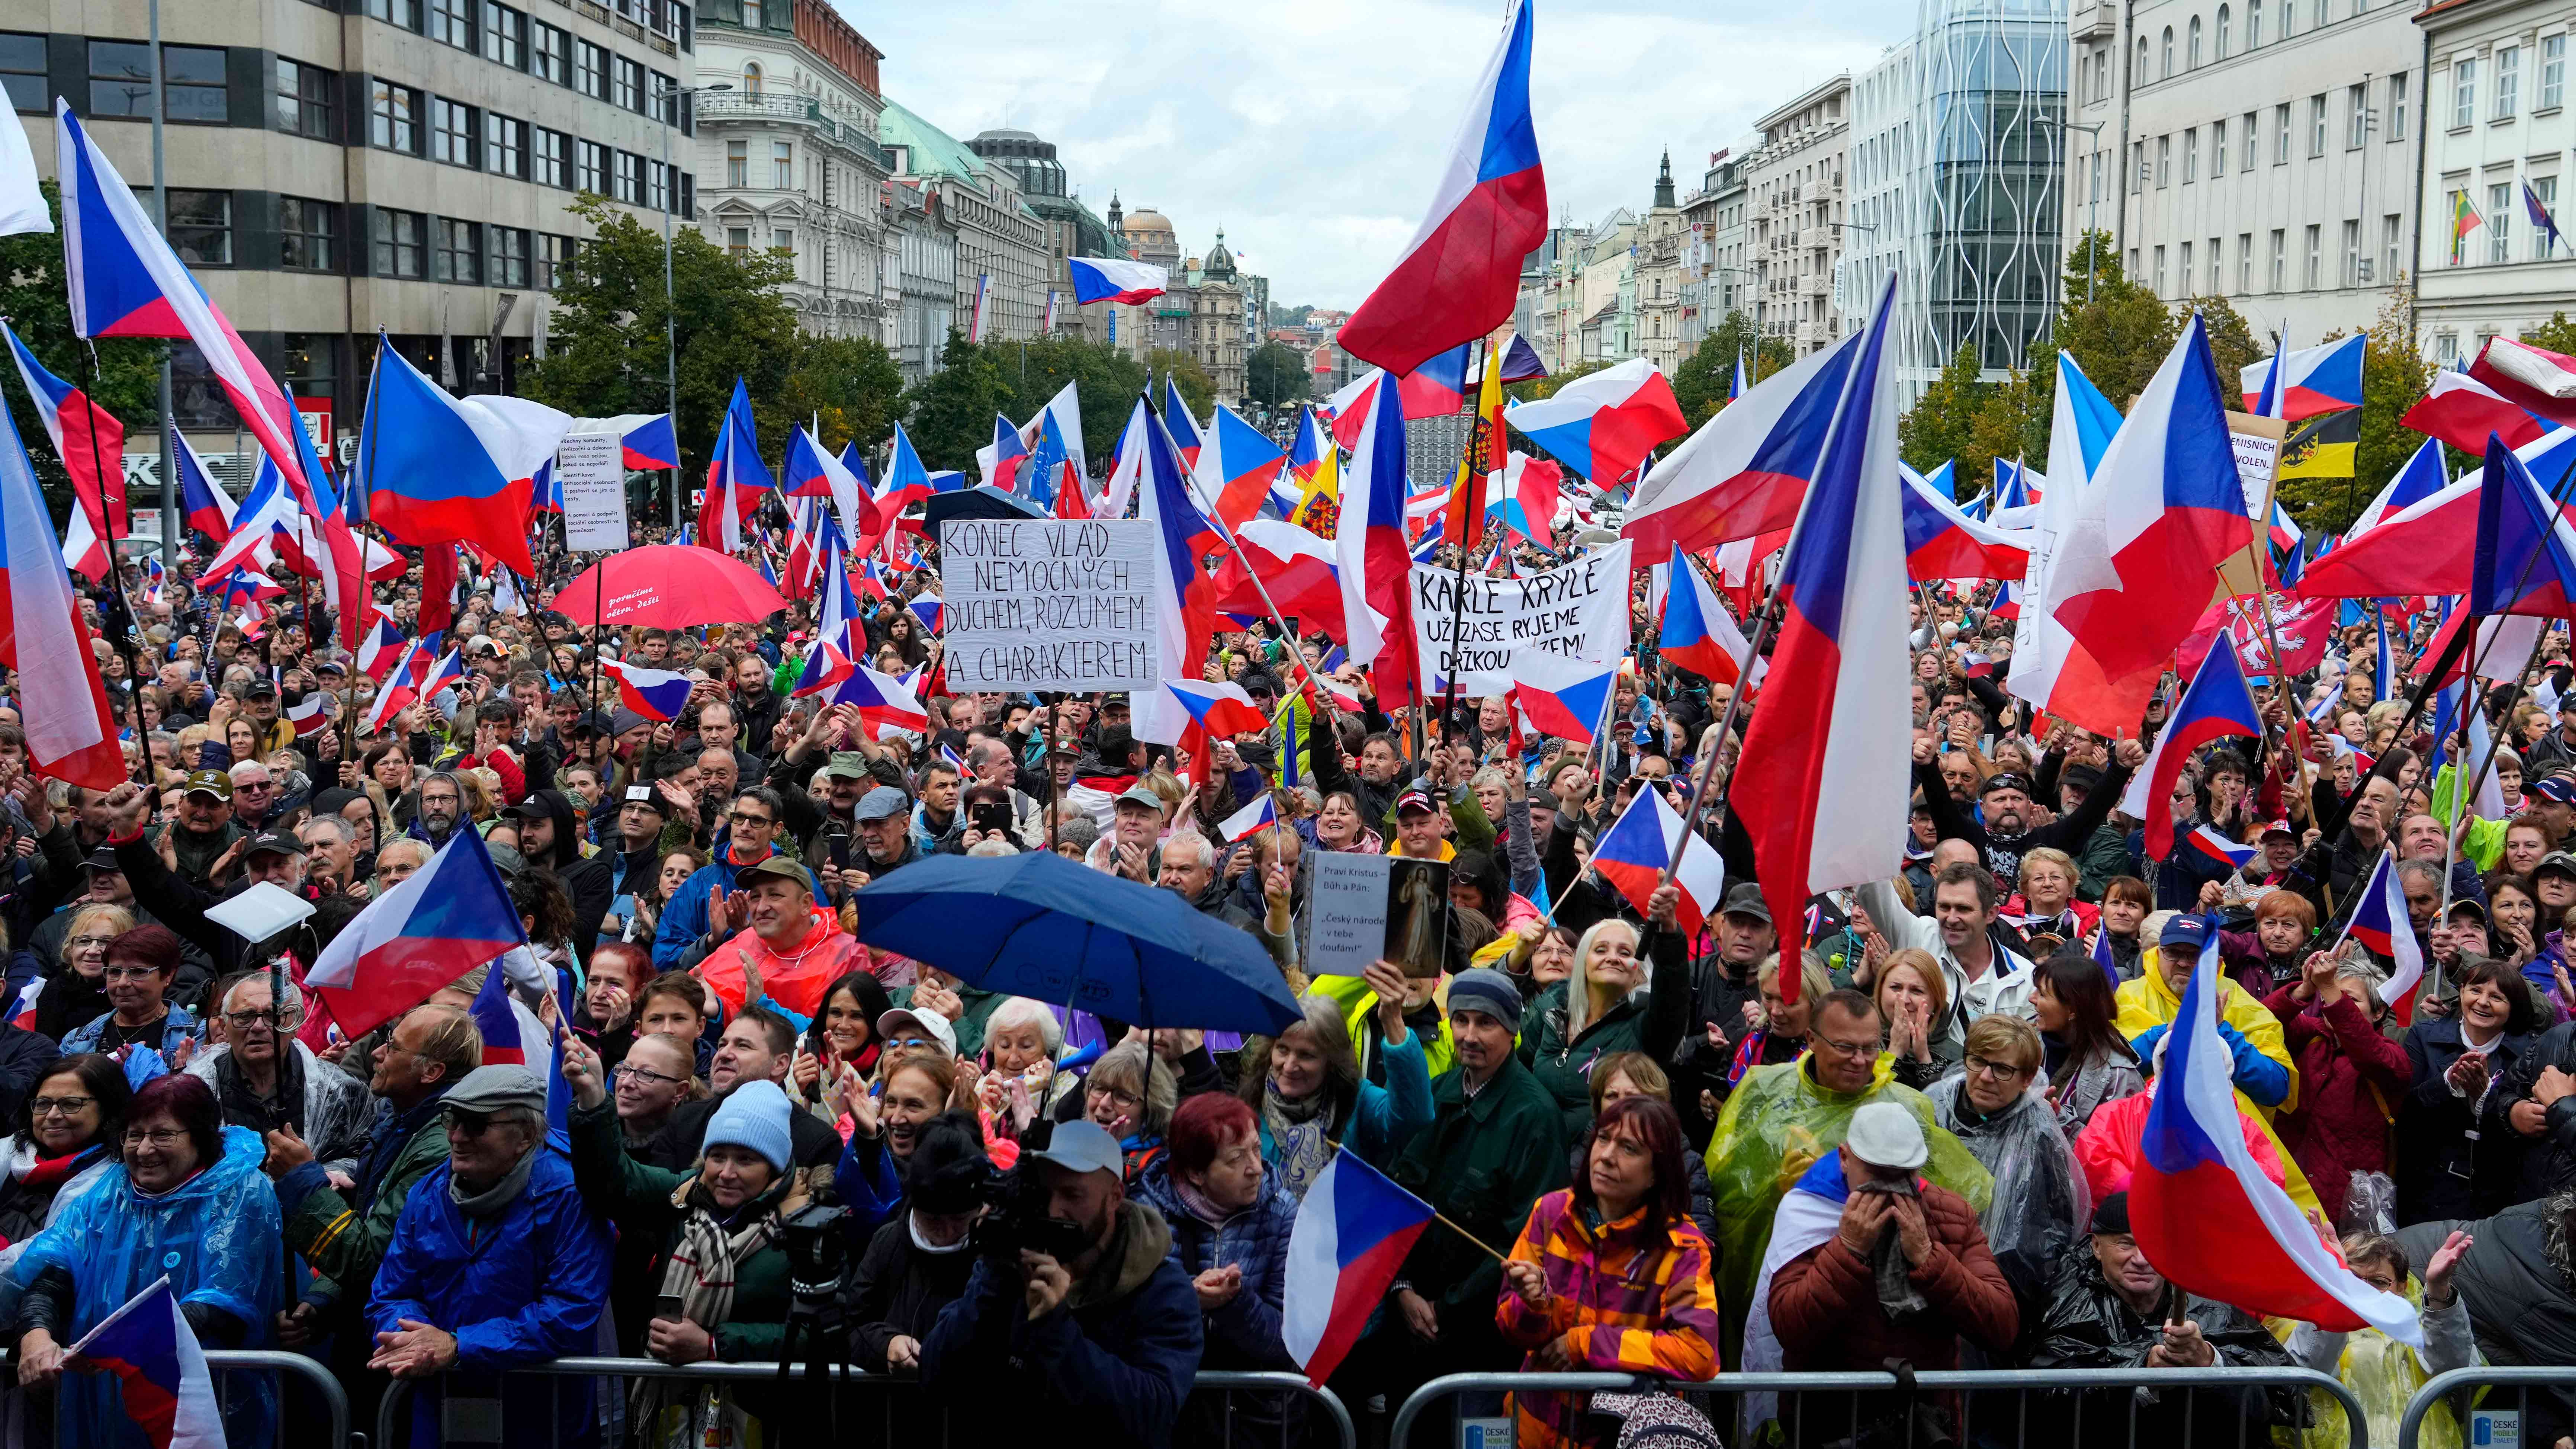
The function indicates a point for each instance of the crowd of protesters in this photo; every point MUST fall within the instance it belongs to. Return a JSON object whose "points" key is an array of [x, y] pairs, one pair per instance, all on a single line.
{"points": [[1627, 1127]]}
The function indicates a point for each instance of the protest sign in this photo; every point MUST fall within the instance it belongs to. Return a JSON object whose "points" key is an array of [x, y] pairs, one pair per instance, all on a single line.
{"points": [[1577, 611], [591, 467], [1048, 604], [1372, 907]]}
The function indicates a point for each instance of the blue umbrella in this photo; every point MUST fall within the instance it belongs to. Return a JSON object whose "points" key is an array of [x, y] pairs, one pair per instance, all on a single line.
{"points": [[1039, 926]]}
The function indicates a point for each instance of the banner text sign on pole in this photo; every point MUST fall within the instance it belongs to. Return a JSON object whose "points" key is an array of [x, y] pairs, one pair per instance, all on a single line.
{"points": [[1577, 611], [1048, 604], [591, 467]]}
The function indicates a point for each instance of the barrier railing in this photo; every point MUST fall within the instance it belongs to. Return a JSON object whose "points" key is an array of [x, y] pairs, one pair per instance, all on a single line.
{"points": [[2462, 1382], [2021, 1383], [396, 1406], [335, 1400]]}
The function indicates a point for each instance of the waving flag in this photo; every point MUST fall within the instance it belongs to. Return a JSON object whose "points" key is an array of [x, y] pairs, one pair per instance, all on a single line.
{"points": [[1698, 634], [1220, 709], [1943, 480], [1439, 386], [1352, 1233], [310, 715], [1633, 852], [1819, 750], [1561, 696], [442, 469], [1316, 466], [2464, 219], [2526, 548], [450, 916], [161, 1371], [736, 478], [2315, 380], [1746, 469], [907, 481], [381, 646], [1941, 542], [2542, 223], [1295, 566], [646, 439], [1521, 362], [2380, 922], [1115, 279], [998, 462], [1235, 469], [2207, 1216], [2532, 378], [884, 702], [1525, 496], [1377, 571], [1460, 275], [70, 734], [1739, 385], [2462, 411], [1183, 427], [658, 695], [86, 436], [2218, 705], [202, 501], [2217, 849], [1252, 819], [2423, 476], [1602, 424]]}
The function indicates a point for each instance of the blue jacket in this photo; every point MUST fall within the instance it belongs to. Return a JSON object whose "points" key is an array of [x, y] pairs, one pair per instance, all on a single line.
{"points": [[518, 1288], [870, 1185], [1245, 1333], [684, 917], [181, 1025], [1109, 1366]]}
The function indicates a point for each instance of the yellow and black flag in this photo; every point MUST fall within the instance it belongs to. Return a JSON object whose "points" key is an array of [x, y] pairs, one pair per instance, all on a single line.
{"points": [[2323, 446]]}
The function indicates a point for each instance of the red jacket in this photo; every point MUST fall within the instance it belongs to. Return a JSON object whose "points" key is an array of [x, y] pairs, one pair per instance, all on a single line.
{"points": [[1824, 1302], [2351, 1081]]}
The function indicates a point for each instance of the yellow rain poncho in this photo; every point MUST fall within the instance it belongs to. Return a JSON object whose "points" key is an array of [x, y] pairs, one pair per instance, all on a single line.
{"points": [[2146, 1002], [2385, 1375], [1776, 1124]]}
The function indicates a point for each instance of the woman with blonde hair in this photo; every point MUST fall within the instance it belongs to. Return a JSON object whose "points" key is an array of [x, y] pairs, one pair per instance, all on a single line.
{"points": [[76, 993], [1914, 1001], [1607, 1005]]}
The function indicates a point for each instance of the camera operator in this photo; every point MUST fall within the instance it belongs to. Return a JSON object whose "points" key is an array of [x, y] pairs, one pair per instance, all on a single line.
{"points": [[1097, 1345]]}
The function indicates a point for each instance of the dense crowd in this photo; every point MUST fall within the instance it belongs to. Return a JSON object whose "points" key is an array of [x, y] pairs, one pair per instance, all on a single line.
{"points": [[1654, 1150]]}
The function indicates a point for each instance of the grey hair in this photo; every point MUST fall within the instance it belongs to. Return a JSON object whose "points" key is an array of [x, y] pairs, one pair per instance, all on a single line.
{"points": [[339, 827], [2421, 869], [289, 998], [1193, 840], [991, 847], [1021, 1011], [2359, 966], [1150, 1076]]}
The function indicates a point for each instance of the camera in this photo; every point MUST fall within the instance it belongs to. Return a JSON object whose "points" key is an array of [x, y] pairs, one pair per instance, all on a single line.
{"points": [[816, 1240], [1015, 1217]]}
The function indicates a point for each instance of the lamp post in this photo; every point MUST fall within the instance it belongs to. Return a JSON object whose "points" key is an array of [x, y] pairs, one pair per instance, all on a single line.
{"points": [[2092, 200], [670, 298]]}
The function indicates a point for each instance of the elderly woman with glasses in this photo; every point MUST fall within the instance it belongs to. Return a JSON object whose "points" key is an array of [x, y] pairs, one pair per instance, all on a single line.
{"points": [[140, 964], [67, 1142], [2040, 1200], [74, 995], [268, 1081]]}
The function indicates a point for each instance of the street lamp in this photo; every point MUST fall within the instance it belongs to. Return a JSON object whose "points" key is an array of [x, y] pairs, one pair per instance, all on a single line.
{"points": [[670, 299], [2092, 196]]}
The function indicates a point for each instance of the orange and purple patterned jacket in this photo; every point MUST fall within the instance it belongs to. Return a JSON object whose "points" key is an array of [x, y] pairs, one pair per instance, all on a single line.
{"points": [[1618, 1302]]}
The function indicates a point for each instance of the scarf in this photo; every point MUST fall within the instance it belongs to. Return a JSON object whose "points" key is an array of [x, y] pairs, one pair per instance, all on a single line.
{"points": [[700, 1271], [494, 1200], [1197, 1204], [34, 1170], [1297, 1135]]}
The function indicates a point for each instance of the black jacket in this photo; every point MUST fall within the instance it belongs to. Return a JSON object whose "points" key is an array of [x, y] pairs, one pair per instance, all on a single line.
{"points": [[2457, 1157], [2068, 833], [898, 1291], [2550, 1163], [2519, 1300], [676, 1147]]}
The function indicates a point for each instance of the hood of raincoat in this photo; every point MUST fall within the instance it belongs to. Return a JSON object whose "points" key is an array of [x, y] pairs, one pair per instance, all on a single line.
{"points": [[2041, 1201]]}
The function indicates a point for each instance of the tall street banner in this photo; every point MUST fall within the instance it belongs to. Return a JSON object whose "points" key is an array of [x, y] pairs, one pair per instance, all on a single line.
{"points": [[1576, 611]]}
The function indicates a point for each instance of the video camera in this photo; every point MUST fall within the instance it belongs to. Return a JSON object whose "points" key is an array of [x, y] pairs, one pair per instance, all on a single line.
{"points": [[1015, 1217]]}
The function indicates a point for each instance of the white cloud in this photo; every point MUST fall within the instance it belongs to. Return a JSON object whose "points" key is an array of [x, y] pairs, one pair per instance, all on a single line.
{"points": [[1311, 130]]}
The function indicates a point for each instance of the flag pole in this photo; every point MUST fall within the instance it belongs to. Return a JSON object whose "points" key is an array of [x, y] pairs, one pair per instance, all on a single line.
{"points": [[1715, 739], [1470, 521], [2474, 698], [115, 569]]}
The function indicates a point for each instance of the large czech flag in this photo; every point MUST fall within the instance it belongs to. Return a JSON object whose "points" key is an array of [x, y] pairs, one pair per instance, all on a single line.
{"points": [[91, 443], [1698, 634], [2218, 705], [450, 916], [2461, 411], [443, 469], [2207, 1216], [1634, 851], [1824, 749], [1115, 279], [2532, 378], [2316, 380], [1745, 471], [1377, 571], [1236, 467], [1460, 275], [1351, 1235], [657, 694], [2525, 556], [70, 734], [1601, 425]]}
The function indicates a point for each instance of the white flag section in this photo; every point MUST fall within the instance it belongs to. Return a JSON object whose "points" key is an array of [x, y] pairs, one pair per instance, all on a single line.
{"points": [[22, 204]]}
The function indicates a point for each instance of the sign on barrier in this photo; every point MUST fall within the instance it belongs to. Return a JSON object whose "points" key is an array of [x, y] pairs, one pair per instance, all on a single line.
{"points": [[2483, 1421]]}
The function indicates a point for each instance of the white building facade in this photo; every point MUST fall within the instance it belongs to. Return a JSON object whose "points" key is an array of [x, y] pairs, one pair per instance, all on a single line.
{"points": [[2500, 125], [1795, 186]]}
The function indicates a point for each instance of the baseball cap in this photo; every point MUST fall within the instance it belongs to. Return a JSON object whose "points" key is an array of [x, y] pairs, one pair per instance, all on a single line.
{"points": [[272, 842], [777, 867], [2279, 827], [101, 859], [929, 1023], [2188, 929], [1415, 800], [263, 689], [2557, 860], [528, 809], [1885, 1134], [1138, 794], [1744, 898], [649, 798], [211, 782], [1084, 1146], [846, 765], [881, 803], [2553, 789]]}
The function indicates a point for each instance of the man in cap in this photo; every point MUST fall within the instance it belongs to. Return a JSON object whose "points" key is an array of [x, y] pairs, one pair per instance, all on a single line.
{"points": [[274, 733], [2553, 799], [704, 910], [634, 849], [1728, 997], [1135, 830], [786, 949], [2556, 750], [495, 1262], [1903, 1272], [204, 829], [2005, 830], [1497, 1140], [847, 777], [1421, 827], [883, 820], [1093, 1335], [2262, 1070]]}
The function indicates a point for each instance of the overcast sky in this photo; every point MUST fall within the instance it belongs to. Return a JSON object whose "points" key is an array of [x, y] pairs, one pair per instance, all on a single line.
{"points": [[1312, 129]]}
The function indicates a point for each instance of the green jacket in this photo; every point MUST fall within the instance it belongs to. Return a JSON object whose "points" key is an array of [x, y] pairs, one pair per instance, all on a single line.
{"points": [[1652, 1023], [1482, 1162], [343, 1245], [646, 1200], [2105, 855]]}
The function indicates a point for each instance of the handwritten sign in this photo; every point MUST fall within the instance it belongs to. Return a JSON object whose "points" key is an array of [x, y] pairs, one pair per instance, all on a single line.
{"points": [[591, 467], [1049, 604], [2256, 442], [1347, 924], [1577, 611]]}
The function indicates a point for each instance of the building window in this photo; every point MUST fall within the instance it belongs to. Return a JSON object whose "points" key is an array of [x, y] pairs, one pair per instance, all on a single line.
{"points": [[630, 178], [2166, 51], [2217, 149], [782, 240], [405, 13], [2397, 108], [505, 145], [626, 90], [2508, 80], [2464, 93], [120, 81], [2544, 189], [2164, 162], [2281, 140], [458, 256], [2141, 75], [2191, 156], [662, 95], [550, 157], [589, 69], [23, 72], [2160, 271], [738, 240], [509, 256], [2245, 262], [201, 225], [738, 163], [2290, 17], [657, 186], [305, 233], [392, 117], [2102, 74], [2217, 273], [2500, 222], [2253, 23], [751, 80], [782, 165], [451, 22], [2253, 142], [399, 245], [554, 260], [304, 96], [2185, 273], [2392, 264], [2446, 347], [2314, 272], [591, 172], [2221, 51], [504, 35], [549, 52], [451, 133], [751, 14], [2316, 125], [2191, 57], [2280, 260], [2352, 253], [2553, 72]]}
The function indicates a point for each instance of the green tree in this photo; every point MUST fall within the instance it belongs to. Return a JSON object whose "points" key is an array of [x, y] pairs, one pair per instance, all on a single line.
{"points": [[2121, 336], [846, 387], [2233, 347], [950, 413], [125, 379], [1106, 383], [1937, 429], [1701, 383], [1275, 377], [606, 352], [2012, 423], [1197, 388], [2555, 335]]}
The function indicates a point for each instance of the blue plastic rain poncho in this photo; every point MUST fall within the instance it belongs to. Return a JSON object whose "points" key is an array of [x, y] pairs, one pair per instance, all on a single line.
{"points": [[217, 1237]]}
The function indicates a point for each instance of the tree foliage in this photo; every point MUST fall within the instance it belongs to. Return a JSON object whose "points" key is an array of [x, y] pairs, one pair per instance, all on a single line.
{"points": [[2122, 334], [1197, 388], [950, 413], [1937, 428], [2233, 347], [1701, 383], [125, 377], [1275, 376]]}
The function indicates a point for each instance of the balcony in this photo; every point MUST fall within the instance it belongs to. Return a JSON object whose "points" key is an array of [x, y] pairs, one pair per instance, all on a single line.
{"points": [[794, 110]]}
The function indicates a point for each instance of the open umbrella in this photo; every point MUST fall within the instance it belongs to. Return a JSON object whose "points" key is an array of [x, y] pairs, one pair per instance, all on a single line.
{"points": [[667, 586], [1037, 925], [976, 502]]}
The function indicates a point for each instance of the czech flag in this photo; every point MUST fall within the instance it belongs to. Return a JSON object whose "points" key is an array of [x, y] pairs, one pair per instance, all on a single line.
{"points": [[884, 702], [907, 481], [89, 440], [1181, 425], [1601, 425], [450, 916], [657, 694], [1377, 571], [2379, 921], [1561, 696], [647, 440], [1258, 816], [1222, 710], [2525, 561], [1822, 748], [2318, 380], [2218, 705], [1465, 512], [1745, 471], [999, 461], [70, 734], [2217, 849], [2461, 411], [310, 715], [1115, 279], [202, 500], [1351, 1236], [160, 1368], [2424, 475], [1236, 467], [382, 646], [2532, 378], [1941, 542], [1294, 565], [442, 469], [1439, 386], [1521, 362], [2208, 1217], [736, 478], [1633, 852], [930, 611], [1460, 275], [1698, 634]]}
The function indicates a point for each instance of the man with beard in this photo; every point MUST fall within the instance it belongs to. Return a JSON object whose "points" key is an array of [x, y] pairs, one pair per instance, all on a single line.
{"points": [[442, 804], [758, 1045], [2006, 830]]}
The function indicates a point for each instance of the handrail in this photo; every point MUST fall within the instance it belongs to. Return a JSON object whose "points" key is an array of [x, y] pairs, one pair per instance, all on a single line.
{"points": [[334, 1397], [2410, 1425]]}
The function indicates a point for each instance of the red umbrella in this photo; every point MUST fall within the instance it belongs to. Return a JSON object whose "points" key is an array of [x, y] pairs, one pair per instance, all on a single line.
{"points": [[667, 586]]}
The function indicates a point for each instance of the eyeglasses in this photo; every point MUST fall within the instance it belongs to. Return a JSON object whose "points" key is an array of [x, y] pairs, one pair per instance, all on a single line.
{"points": [[159, 1137], [131, 973], [1851, 1049], [245, 1020], [739, 818], [88, 943], [2000, 1071], [624, 1070], [1121, 1097], [66, 1106], [470, 1124]]}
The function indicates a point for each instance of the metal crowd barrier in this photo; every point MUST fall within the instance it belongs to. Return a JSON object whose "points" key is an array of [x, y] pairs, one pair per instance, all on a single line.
{"points": [[2019, 1382], [395, 1409], [2461, 1386], [335, 1400]]}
